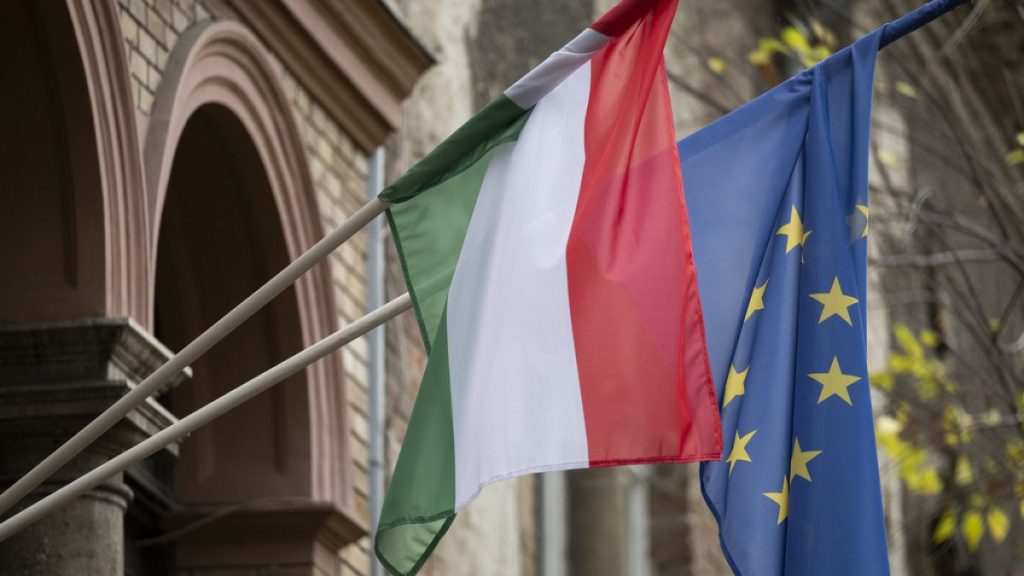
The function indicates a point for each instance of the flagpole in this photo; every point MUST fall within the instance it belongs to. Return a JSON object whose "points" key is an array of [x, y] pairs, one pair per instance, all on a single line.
{"points": [[909, 22], [180, 361], [204, 415]]}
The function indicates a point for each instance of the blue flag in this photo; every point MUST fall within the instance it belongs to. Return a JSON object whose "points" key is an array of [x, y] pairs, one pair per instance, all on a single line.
{"points": [[778, 204]]}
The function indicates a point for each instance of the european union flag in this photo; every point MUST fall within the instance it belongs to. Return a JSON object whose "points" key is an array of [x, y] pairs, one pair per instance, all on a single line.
{"points": [[777, 196]]}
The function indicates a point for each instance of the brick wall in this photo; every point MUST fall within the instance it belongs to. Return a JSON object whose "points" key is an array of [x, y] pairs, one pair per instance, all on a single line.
{"points": [[151, 29]]}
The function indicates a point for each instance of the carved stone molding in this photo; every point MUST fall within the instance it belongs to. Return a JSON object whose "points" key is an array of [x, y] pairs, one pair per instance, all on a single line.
{"points": [[79, 368], [98, 34], [54, 379], [355, 57], [223, 64]]}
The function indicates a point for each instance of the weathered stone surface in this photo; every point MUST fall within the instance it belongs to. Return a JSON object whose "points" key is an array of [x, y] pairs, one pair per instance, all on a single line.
{"points": [[54, 379]]}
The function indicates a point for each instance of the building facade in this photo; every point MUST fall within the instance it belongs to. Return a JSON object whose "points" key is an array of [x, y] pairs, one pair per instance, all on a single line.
{"points": [[161, 159], [164, 158]]}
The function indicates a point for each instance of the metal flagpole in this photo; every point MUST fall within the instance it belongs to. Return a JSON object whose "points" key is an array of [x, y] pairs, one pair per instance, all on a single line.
{"points": [[204, 415], [81, 440], [376, 352]]}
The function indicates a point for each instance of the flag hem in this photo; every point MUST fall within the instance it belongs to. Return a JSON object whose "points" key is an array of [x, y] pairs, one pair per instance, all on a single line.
{"points": [[718, 523], [585, 465], [450, 514]]}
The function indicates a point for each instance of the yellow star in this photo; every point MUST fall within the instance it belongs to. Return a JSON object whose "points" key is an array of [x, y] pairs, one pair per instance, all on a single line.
{"points": [[781, 498], [854, 221], [739, 450], [793, 231], [798, 461], [835, 383], [756, 300], [835, 303], [734, 384]]}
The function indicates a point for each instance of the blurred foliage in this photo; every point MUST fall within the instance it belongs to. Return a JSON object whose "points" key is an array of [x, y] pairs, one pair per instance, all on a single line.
{"points": [[939, 445], [808, 43], [1016, 155]]}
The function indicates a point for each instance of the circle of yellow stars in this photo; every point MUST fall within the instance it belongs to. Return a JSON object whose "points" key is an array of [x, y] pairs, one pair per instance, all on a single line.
{"points": [[835, 303]]}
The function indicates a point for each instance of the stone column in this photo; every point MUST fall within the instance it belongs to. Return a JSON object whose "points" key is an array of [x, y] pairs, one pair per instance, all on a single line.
{"points": [[597, 521], [54, 379]]}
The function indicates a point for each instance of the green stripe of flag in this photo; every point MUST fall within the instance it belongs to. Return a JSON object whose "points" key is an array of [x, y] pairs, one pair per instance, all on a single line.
{"points": [[432, 205], [420, 503], [434, 225]]}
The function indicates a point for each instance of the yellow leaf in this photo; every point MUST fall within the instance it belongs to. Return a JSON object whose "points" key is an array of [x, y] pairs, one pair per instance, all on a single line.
{"points": [[906, 89], [771, 45], [927, 388], [991, 417], [816, 54], [795, 39], [887, 425], [944, 529], [716, 65], [964, 473], [1015, 157], [759, 58], [1015, 451], [823, 33], [882, 381], [928, 483], [973, 529], [900, 364], [930, 338], [998, 524], [888, 158]]}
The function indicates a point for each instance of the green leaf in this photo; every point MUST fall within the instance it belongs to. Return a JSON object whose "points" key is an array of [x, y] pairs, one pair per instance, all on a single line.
{"points": [[973, 529]]}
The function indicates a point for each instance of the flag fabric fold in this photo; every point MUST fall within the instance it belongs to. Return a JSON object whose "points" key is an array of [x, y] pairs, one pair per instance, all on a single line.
{"points": [[547, 250], [778, 200]]}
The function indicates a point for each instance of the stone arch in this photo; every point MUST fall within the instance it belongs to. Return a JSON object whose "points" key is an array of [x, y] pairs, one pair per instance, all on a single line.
{"points": [[219, 74], [98, 33], [81, 242]]}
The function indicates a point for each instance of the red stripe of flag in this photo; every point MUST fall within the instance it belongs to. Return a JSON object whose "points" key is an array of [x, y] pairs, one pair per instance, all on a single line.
{"points": [[633, 294]]}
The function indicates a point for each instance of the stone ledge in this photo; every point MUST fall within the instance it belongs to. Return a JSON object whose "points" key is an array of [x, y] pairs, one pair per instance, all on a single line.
{"points": [[289, 531], [89, 349], [61, 375]]}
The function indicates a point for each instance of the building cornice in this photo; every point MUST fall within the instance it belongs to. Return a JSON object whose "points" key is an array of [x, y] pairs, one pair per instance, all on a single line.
{"points": [[356, 58]]}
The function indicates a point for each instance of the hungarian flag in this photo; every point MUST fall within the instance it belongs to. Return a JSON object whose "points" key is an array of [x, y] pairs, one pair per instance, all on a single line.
{"points": [[547, 250]]}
